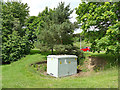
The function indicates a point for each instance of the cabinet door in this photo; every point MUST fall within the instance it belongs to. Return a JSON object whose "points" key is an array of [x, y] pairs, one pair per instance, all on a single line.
{"points": [[72, 66], [67, 66], [63, 67]]}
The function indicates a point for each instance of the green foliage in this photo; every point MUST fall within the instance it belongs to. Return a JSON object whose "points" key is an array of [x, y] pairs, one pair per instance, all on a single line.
{"points": [[103, 17], [15, 47], [76, 39], [60, 49], [111, 41], [54, 27], [64, 49], [69, 50], [45, 68], [30, 28], [15, 39], [42, 47], [83, 44]]}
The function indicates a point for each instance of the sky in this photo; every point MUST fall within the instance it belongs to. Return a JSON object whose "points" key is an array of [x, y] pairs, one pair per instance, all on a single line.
{"points": [[37, 6]]}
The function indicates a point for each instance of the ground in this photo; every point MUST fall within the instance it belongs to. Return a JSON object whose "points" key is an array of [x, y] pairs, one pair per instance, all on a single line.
{"points": [[21, 74], [91, 64]]}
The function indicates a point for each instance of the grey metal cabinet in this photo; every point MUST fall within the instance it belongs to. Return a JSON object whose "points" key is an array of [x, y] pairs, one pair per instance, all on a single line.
{"points": [[61, 65]]}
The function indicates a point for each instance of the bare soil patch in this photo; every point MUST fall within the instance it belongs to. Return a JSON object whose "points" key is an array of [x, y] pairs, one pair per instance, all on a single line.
{"points": [[91, 64], [96, 63]]}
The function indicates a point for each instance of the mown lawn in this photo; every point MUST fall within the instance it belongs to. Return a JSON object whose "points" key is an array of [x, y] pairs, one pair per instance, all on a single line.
{"points": [[20, 75]]}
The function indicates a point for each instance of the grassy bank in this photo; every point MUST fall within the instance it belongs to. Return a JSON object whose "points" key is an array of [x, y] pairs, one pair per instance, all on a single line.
{"points": [[20, 75]]}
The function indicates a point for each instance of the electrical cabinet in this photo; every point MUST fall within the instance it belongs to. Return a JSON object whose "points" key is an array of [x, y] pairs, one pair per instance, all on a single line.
{"points": [[61, 65]]}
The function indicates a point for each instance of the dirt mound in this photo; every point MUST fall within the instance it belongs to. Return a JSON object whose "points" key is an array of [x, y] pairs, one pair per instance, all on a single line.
{"points": [[91, 64], [96, 63]]}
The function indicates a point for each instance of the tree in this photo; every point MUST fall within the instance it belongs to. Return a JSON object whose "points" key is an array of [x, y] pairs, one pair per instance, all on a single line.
{"points": [[15, 40], [0, 33], [103, 17], [111, 40], [54, 27], [30, 28]]}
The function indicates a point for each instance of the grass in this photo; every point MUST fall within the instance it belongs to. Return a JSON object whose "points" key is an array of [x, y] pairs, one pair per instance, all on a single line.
{"points": [[20, 75], [0, 77], [83, 44]]}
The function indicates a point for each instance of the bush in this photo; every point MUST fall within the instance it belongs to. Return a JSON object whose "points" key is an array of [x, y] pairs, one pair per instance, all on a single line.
{"points": [[69, 50], [60, 49], [15, 47], [42, 47], [16, 40]]}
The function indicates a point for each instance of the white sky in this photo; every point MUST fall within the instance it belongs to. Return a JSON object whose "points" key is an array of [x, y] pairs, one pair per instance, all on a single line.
{"points": [[37, 6]]}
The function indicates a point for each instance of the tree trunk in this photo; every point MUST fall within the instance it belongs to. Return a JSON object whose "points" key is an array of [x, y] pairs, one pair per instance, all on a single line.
{"points": [[51, 50]]}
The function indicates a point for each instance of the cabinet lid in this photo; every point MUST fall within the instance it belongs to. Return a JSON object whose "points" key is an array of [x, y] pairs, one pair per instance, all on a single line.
{"points": [[61, 56]]}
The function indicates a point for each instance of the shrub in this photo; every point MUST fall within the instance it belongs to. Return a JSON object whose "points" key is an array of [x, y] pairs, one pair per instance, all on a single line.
{"points": [[16, 42], [69, 50], [42, 47]]}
